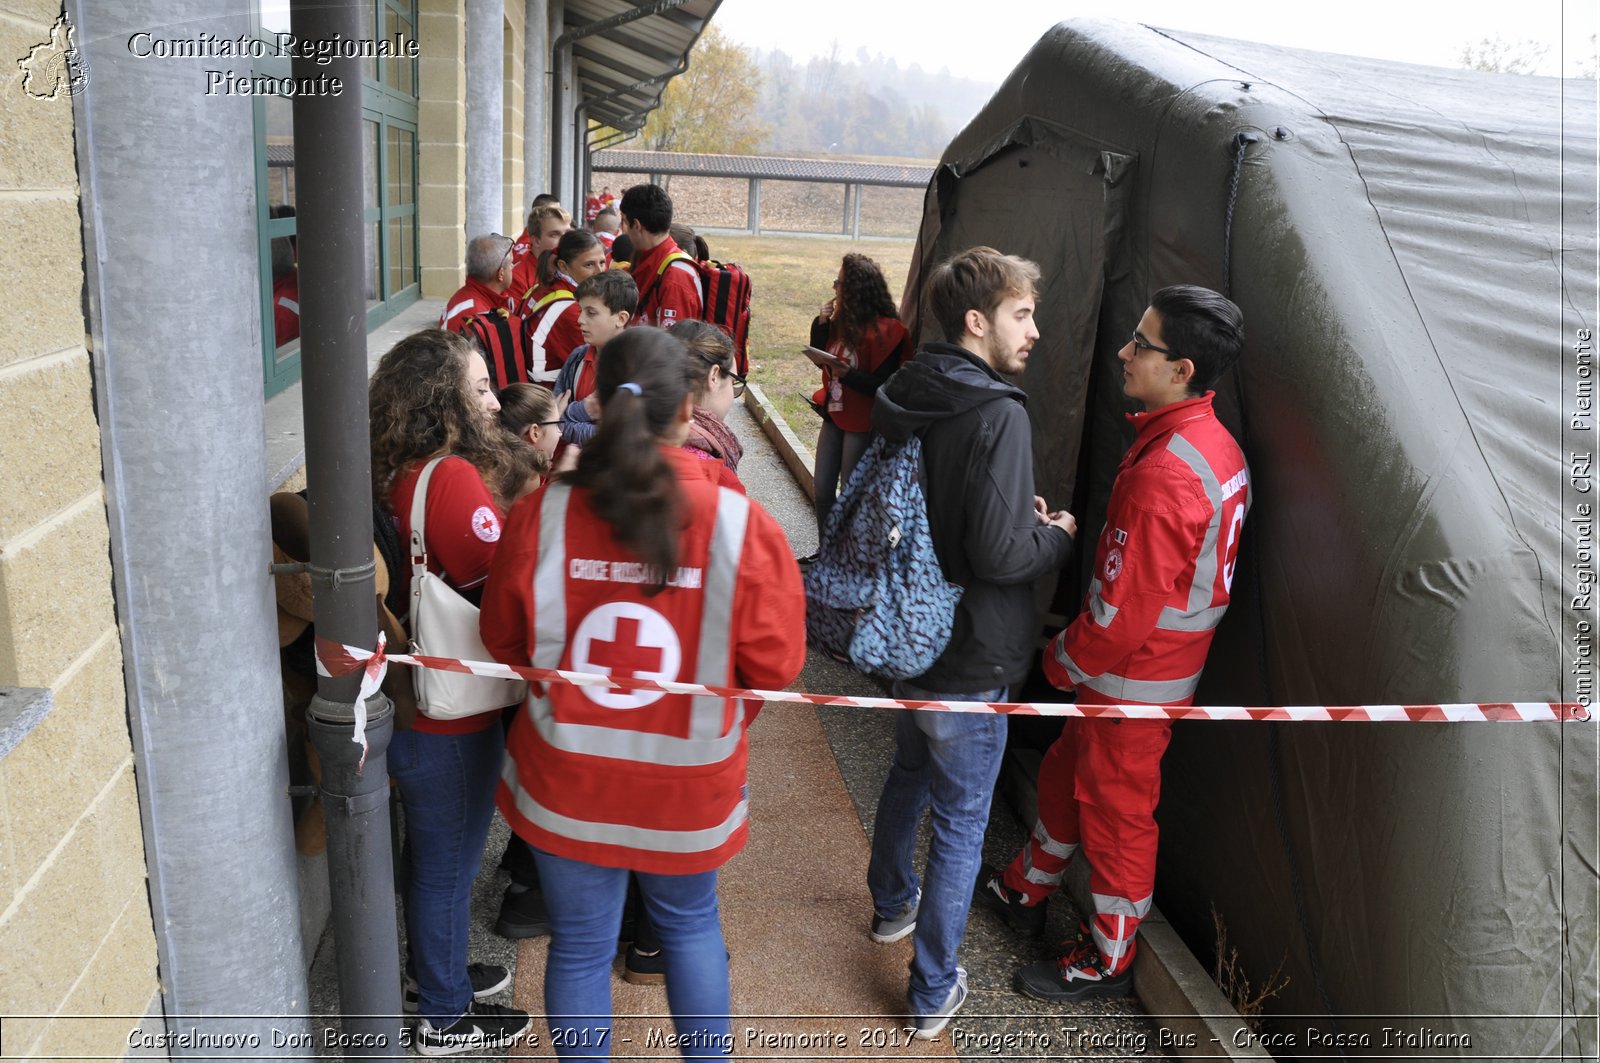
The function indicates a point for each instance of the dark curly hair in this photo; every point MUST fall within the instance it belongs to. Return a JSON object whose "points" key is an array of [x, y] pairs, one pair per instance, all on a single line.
{"points": [[421, 405], [863, 298]]}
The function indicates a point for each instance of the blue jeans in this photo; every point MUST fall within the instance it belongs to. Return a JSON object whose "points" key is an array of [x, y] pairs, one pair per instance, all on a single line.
{"points": [[951, 760], [585, 903], [447, 785], [838, 452]]}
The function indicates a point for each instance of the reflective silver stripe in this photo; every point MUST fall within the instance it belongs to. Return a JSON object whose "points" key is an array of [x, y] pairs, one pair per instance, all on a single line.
{"points": [[1078, 675], [1201, 620], [1152, 691], [652, 840], [549, 579], [1099, 608], [1205, 565], [454, 310], [716, 614], [552, 314], [694, 275], [1114, 948], [1043, 878], [1063, 850], [706, 743]]}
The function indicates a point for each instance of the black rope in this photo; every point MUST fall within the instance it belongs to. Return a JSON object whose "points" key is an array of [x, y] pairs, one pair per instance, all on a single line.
{"points": [[1241, 142]]}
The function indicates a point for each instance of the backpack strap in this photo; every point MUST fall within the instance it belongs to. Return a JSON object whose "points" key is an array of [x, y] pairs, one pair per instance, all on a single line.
{"points": [[558, 294], [661, 273]]}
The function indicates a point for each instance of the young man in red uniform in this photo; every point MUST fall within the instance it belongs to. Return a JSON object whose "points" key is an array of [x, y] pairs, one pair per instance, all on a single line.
{"points": [[547, 223], [669, 288], [1163, 573]]}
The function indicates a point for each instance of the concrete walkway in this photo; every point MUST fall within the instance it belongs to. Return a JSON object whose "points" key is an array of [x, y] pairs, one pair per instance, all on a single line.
{"points": [[807, 981]]}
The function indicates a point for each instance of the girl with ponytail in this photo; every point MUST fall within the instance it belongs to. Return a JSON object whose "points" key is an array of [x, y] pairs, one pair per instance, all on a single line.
{"points": [[638, 566]]}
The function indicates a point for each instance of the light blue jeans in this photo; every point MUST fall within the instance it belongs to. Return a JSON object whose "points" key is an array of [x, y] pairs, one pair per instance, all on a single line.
{"points": [[948, 760], [585, 903]]}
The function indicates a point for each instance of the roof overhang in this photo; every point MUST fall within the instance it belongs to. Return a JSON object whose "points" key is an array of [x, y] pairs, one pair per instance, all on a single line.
{"points": [[623, 54]]}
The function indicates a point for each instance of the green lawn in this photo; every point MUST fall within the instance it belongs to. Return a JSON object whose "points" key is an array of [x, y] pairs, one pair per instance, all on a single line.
{"points": [[791, 277]]}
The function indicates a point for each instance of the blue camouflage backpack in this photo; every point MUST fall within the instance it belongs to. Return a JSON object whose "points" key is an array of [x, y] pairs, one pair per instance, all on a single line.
{"points": [[876, 594]]}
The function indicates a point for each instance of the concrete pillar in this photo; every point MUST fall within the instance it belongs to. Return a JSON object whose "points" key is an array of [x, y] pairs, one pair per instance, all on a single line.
{"points": [[562, 104], [183, 435], [536, 101], [855, 215], [753, 220], [485, 115]]}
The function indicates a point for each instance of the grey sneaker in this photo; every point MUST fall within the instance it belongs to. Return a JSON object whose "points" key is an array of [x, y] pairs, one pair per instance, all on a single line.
{"points": [[892, 928], [927, 1027]]}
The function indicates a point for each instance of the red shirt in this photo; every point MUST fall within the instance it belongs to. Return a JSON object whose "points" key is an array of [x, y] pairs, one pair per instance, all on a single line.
{"points": [[286, 307], [654, 782], [462, 525], [474, 298], [666, 296], [1163, 567]]}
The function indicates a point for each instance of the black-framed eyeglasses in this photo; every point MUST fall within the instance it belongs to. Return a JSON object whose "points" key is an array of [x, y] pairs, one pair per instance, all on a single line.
{"points": [[507, 256], [1142, 344], [548, 424]]}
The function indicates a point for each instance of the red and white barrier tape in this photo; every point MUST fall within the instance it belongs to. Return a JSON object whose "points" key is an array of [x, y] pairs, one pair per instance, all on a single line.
{"points": [[335, 659]]}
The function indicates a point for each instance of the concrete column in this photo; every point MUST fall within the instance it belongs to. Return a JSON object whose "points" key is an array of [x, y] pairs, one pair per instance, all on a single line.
{"points": [[536, 101], [753, 211], [182, 430], [562, 104], [485, 115], [855, 215]]}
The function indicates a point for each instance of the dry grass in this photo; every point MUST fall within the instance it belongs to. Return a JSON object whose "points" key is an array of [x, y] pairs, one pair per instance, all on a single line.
{"points": [[791, 277], [1235, 984]]}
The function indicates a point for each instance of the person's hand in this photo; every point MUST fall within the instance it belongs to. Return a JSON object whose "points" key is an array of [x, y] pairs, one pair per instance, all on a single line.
{"points": [[826, 313], [591, 406], [1065, 521], [562, 398], [1042, 509]]}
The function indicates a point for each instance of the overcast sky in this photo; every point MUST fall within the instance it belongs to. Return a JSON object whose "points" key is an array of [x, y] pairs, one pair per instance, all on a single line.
{"points": [[984, 41]]}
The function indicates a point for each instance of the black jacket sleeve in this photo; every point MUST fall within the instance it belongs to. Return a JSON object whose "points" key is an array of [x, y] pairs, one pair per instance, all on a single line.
{"points": [[1006, 542]]}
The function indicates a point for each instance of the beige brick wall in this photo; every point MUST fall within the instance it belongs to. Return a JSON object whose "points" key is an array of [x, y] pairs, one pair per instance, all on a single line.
{"points": [[516, 197], [75, 923], [442, 145]]}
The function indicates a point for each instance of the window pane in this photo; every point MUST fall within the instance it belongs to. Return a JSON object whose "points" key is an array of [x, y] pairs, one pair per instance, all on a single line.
{"points": [[274, 16], [369, 65], [374, 279], [404, 70], [280, 151], [369, 163], [402, 163], [402, 252]]}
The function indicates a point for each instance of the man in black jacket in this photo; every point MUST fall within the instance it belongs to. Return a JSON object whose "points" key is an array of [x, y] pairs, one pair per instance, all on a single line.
{"points": [[994, 537]]}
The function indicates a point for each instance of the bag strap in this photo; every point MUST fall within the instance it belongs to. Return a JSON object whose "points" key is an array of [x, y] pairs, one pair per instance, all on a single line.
{"points": [[419, 508], [661, 272]]}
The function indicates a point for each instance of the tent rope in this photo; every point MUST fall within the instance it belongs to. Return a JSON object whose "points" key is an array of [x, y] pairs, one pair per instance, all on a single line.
{"points": [[1241, 143]]}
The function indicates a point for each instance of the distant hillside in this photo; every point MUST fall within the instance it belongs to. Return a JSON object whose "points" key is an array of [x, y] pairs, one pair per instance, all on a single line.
{"points": [[869, 105]]}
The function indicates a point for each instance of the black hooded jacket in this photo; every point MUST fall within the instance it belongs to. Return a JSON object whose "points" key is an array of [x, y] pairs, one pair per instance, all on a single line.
{"points": [[977, 453]]}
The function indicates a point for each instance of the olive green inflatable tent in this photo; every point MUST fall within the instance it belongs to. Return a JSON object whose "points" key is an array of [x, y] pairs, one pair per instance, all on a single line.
{"points": [[1414, 252]]}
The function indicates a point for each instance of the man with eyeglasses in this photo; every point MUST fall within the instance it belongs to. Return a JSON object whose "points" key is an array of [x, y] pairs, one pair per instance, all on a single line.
{"points": [[485, 310], [1162, 577]]}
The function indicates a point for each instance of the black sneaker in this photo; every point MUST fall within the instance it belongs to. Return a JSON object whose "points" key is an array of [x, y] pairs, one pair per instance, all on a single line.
{"points": [[483, 1027], [522, 915], [991, 893], [1079, 975], [517, 862], [487, 979], [806, 561], [640, 968]]}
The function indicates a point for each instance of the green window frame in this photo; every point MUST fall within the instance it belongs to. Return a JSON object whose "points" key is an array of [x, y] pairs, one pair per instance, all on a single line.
{"points": [[390, 145]]}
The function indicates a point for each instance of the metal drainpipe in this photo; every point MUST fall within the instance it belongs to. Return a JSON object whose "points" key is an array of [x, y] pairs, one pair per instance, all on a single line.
{"points": [[328, 138]]}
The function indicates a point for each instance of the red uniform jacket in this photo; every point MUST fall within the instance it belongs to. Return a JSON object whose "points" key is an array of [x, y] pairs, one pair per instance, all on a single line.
{"points": [[462, 527], [553, 331], [848, 397], [1164, 564], [474, 298], [666, 296], [286, 307], [653, 782]]}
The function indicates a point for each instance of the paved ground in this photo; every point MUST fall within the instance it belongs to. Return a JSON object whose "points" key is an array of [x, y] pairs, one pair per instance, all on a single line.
{"points": [[807, 982]]}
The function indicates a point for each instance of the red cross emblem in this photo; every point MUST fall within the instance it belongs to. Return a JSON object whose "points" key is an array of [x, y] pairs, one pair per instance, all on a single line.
{"points": [[626, 639]]}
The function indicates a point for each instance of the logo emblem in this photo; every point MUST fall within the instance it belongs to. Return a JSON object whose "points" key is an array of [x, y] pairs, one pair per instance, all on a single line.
{"points": [[668, 316], [1120, 536], [485, 525], [626, 639], [1113, 564]]}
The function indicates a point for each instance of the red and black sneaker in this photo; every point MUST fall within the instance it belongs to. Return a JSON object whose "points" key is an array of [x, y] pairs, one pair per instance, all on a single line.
{"points": [[1079, 975], [991, 893]]}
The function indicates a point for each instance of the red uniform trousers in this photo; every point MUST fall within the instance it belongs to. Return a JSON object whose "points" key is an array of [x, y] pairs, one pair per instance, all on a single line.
{"points": [[1098, 788]]}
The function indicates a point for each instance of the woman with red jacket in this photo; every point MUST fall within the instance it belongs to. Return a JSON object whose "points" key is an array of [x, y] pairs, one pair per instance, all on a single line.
{"points": [[636, 564], [860, 331], [430, 398]]}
